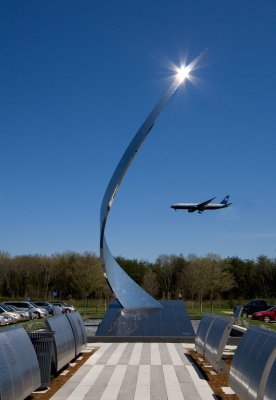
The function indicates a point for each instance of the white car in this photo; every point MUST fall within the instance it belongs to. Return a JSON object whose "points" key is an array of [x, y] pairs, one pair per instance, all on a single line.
{"points": [[2, 320], [25, 315], [9, 311], [5, 319]]}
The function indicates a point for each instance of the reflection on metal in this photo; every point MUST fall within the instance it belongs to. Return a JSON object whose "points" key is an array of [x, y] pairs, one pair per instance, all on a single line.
{"points": [[216, 341], [202, 332], [252, 365], [64, 342], [129, 320], [57, 310], [270, 389], [170, 321], [19, 369], [237, 314], [211, 338], [129, 294], [126, 290], [78, 329]]}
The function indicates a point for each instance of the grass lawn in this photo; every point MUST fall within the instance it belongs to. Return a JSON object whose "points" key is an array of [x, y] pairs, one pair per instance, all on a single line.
{"points": [[194, 313], [98, 310]]}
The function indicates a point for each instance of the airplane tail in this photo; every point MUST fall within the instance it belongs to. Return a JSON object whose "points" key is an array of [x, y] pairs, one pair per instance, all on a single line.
{"points": [[225, 200]]}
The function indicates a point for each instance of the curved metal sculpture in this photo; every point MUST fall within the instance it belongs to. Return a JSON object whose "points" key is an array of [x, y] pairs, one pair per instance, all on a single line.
{"points": [[128, 292]]}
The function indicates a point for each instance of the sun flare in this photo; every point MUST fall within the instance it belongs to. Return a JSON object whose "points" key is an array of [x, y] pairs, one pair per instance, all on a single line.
{"points": [[183, 73]]}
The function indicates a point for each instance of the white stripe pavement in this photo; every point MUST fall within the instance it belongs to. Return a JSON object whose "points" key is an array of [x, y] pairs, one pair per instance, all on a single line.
{"points": [[155, 354], [114, 384], [176, 360], [118, 372], [142, 391], [201, 384], [96, 356], [92, 375], [173, 388], [116, 355], [136, 354], [81, 390]]}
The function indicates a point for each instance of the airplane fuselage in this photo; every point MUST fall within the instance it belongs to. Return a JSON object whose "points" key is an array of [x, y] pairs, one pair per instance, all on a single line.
{"points": [[193, 207], [200, 207]]}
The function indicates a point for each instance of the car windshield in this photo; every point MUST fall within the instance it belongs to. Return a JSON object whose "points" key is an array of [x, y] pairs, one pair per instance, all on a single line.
{"points": [[7, 308], [15, 308], [272, 308]]}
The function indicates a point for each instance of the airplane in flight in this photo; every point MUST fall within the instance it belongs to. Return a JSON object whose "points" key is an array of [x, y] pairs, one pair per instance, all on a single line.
{"points": [[200, 207]]}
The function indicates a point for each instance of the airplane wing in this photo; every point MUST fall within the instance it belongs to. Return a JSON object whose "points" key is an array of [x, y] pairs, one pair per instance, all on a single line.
{"points": [[201, 206]]}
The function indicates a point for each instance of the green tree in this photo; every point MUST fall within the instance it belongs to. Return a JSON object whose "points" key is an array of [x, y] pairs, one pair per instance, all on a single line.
{"points": [[219, 279], [150, 283], [167, 267]]}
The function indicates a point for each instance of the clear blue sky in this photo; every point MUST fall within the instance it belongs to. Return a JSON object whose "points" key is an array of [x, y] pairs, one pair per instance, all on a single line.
{"points": [[77, 79]]}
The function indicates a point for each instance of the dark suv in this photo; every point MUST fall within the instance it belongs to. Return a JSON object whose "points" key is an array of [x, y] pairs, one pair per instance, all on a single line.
{"points": [[254, 306]]}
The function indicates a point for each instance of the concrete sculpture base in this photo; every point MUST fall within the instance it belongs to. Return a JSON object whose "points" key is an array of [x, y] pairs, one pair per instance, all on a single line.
{"points": [[171, 322]]}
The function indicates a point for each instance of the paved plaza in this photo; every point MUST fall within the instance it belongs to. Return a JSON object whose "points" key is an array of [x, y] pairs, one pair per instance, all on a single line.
{"points": [[137, 371]]}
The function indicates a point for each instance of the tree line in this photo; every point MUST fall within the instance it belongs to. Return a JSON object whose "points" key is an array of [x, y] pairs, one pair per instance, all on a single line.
{"points": [[80, 276]]}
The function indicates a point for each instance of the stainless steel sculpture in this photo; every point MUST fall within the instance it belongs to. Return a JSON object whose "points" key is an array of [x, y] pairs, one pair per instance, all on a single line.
{"points": [[129, 294]]}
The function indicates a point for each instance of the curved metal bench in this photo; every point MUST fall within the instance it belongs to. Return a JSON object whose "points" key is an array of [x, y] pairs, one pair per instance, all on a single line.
{"points": [[216, 341], [19, 368], [237, 314], [270, 389], [211, 338], [253, 371], [202, 332], [78, 329], [64, 341]]}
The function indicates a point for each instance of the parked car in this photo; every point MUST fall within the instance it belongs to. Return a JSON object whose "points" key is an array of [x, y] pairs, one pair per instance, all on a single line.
{"points": [[27, 306], [44, 304], [9, 311], [3, 320], [267, 315], [25, 315], [6, 319], [66, 308], [254, 306]]}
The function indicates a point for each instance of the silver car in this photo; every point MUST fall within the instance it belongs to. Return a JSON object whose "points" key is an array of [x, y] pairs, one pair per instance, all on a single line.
{"points": [[25, 315], [27, 306], [2, 320], [9, 311], [66, 308], [5, 319]]}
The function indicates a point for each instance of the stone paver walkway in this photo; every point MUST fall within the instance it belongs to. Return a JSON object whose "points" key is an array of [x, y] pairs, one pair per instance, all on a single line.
{"points": [[137, 371]]}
